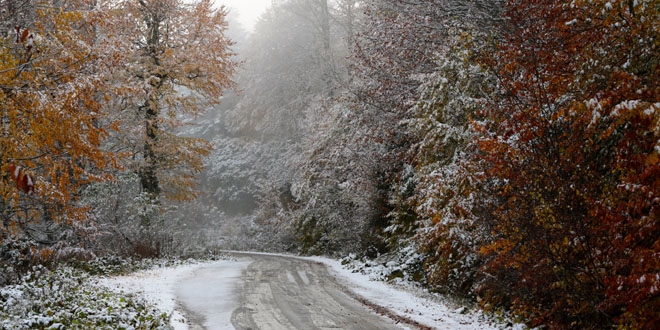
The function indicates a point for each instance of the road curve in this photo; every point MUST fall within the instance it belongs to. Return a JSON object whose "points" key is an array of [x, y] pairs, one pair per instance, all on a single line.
{"points": [[288, 293]]}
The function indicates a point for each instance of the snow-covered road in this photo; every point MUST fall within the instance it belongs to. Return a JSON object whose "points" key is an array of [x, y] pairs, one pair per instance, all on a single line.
{"points": [[291, 293], [266, 291]]}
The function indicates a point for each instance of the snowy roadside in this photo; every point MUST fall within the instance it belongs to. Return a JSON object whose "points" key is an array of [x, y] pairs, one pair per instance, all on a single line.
{"points": [[410, 303], [158, 286]]}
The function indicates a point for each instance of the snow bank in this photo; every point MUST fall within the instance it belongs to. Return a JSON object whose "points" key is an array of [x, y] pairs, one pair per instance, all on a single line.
{"points": [[429, 311]]}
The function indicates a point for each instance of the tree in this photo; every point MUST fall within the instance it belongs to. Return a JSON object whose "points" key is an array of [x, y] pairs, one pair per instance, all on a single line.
{"points": [[358, 170], [53, 89], [346, 16], [448, 221], [394, 42], [333, 186], [182, 64], [177, 64], [285, 62], [402, 52], [72, 73], [570, 150]]}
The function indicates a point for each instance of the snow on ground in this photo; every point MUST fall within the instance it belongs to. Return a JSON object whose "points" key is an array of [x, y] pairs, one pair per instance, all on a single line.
{"points": [[217, 305], [409, 303], [158, 286]]}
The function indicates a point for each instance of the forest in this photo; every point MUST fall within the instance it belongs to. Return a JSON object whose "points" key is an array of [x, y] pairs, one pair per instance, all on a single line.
{"points": [[505, 152]]}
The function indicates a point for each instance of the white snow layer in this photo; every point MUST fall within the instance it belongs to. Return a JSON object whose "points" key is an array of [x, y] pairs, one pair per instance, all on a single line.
{"points": [[159, 286], [407, 303]]}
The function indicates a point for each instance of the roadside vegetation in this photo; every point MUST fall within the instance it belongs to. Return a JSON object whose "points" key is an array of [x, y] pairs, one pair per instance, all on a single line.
{"points": [[66, 296]]}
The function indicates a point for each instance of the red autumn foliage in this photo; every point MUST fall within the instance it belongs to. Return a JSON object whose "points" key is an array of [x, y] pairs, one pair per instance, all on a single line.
{"points": [[572, 153], [24, 181]]}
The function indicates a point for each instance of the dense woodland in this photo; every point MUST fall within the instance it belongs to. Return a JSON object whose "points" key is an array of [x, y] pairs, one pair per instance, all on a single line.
{"points": [[508, 151]]}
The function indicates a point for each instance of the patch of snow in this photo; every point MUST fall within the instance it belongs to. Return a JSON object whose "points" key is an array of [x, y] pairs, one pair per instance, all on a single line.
{"points": [[214, 306], [303, 277], [290, 277], [157, 286]]}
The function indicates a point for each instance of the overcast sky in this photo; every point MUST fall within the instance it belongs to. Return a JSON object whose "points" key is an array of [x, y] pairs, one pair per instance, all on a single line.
{"points": [[248, 10]]}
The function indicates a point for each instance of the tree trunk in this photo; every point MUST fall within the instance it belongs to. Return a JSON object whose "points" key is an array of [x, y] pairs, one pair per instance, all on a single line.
{"points": [[149, 172]]}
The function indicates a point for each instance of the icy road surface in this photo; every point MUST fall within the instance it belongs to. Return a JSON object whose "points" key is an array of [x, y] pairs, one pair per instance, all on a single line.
{"points": [[289, 293]]}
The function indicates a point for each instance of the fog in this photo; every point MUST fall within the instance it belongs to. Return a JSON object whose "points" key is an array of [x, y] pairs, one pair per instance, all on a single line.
{"points": [[246, 11], [294, 62]]}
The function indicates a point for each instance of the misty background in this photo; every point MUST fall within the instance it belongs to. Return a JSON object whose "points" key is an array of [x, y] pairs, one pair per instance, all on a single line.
{"points": [[294, 63]]}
